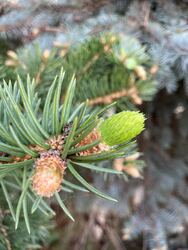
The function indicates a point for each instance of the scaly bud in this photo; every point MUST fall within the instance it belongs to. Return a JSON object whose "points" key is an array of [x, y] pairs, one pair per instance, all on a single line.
{"points": [[90, 138], [49, 171]]}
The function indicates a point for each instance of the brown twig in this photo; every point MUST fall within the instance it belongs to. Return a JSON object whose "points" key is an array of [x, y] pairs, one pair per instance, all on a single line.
{"points": [[145, 12], [5, 234], [87, 229], [40, 71], [4, 231], [107, 99], [7, 7], [114, 238]]}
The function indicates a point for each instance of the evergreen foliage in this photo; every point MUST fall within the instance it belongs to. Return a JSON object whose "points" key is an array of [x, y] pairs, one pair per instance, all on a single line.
{"points": [[20, 239], [168, 48], [52, 133], [107, 68], [36, 143]]}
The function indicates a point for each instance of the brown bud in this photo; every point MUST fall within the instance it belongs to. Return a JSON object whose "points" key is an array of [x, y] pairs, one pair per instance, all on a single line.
{"points": [[118, 164], [11, 63], [154, 69], [48, 174], [35, 32], [129, 168], [133, 157], [63, 52], [12, 54], [132, 170], [57, 142], [90, 138], [45, 55], [141, 73]]}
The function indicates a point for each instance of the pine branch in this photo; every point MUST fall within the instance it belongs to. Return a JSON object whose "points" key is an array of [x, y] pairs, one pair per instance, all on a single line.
{"points": [[51, 138], [104, 66]]}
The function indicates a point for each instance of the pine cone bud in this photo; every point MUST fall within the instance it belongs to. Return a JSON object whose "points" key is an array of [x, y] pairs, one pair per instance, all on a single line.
{"points": [[49, 171], [121, 127]]}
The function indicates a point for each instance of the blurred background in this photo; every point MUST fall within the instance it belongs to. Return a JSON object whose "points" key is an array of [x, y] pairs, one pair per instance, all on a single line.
{"points": [[133, 52]]}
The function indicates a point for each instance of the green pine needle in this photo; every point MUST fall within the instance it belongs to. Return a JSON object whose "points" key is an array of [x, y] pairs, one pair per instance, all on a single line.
{"points": [[62, 205], [87, 185]]}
